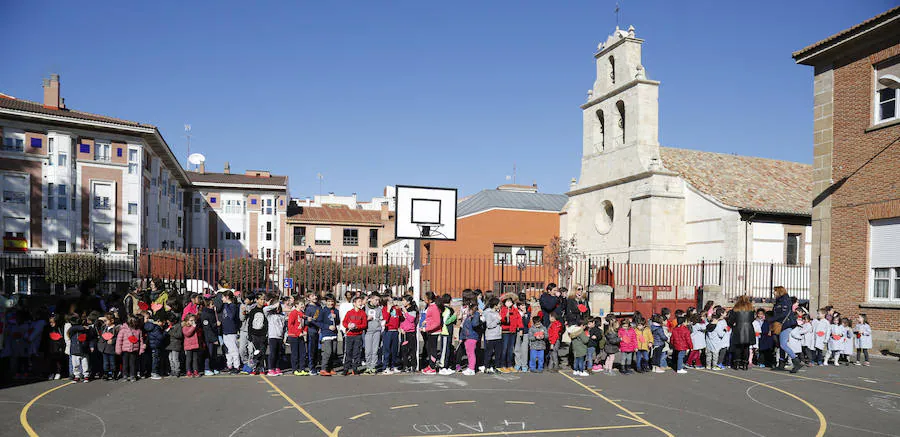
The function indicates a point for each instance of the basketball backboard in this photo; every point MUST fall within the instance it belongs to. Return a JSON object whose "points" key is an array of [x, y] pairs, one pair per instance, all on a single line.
{"points": [[425, 213]]}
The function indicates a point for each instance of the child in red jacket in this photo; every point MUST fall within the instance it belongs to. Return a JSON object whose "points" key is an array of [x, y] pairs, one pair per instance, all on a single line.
{"points": [[681, 342], [390, 338], [554, 331], [296, 338], [355, 322], [510, 323]]}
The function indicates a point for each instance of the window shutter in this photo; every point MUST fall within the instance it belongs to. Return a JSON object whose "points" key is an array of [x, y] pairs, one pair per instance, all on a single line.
{"points": [[884, 245], [323, 234]]}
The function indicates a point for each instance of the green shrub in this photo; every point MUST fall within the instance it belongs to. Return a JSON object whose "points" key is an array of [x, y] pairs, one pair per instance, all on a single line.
{"points": [[74, 268], [244, 273]]}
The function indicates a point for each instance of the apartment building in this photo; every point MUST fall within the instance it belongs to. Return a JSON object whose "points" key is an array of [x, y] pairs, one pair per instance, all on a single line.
{"points": [[352, 201], [76, 181], [239, 213], [352, 236], [856, 208]]}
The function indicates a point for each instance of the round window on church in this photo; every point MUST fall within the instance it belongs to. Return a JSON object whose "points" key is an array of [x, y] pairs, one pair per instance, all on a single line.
{"points": [[604, 219]]}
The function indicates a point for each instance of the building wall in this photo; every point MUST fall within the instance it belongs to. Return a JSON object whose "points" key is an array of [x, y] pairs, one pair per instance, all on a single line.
{"points": [[450, 266], [870, 191]]}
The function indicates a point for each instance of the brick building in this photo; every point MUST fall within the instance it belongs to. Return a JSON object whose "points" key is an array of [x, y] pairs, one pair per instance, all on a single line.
{"points": [[856, 209], [351, 236]]}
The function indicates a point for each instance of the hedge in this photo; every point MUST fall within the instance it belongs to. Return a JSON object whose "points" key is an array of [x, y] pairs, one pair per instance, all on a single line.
{"points": [[244, 273], [74, 268]]}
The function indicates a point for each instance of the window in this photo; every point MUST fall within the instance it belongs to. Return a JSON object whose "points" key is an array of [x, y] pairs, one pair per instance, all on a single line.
{"points": [[299, 235], [268, 231], [373, 237], [15, 189], [51, 196], [101, 202], [62, 159], [181, 227], [792, 249], [165, 245], [133, 163], [101, 151], [231, 235], [612, 70], [599, 131], [14, 141], [350, 260], [132, 248], [268, 209], [153, 182], [351, 237], [373, 259], [61, 246], [234, 207], [180, 201], [132, 208], [620, 108], [164, 223], [884, 260], [323, 236], [197, 204], [503, 255], [51, 146], [886, 92], [61, 200]]}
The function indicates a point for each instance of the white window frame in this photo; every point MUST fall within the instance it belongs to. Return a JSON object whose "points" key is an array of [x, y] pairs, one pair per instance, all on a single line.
{"points": [[877, 97], [130, 204], [893, 291], [101, 151], [62, 197], [134, 165], [13, 141]]}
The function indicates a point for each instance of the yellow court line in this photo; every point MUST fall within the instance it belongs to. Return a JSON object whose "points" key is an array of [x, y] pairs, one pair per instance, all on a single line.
{"points": [[459, 402], [540, 431], [359, 415], [302, 411], [628, 417], [576, 407], [637, 418], [398, 407], [23, 416], [846, 385], [823, 424], [519, 402]]}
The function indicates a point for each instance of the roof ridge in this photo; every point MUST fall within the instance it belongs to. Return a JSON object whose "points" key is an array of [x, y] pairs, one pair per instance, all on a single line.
{"points": [[843, 33], [736, 155], [63, 111]]}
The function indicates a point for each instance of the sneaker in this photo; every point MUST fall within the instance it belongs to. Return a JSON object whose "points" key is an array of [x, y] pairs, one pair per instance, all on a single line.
{"points": [[86, 380], [447, 371], [155, 376], [681, 371], [395, 370], [658, 370], [245, 370], [326, 373], [278, 372], [858, 363], [371, 371], [481, 369], [429, 371], [468, 372], [490, 370], [864, 364], [387, 372], [504, 370], [271, 372], [597, 368], [215, 372]]}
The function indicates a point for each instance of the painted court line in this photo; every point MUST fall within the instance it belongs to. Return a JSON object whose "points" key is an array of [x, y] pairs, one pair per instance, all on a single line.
{"points": [[23, 416], [459, 402], [359, 415], [576, 407], [539, 431], [637, 418], [519, 402], [846, 385], [823, 424], [400, 407], [302, 411]]}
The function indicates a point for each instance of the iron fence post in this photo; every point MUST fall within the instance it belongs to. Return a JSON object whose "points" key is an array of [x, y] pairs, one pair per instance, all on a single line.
{"points": [[771, 281]]}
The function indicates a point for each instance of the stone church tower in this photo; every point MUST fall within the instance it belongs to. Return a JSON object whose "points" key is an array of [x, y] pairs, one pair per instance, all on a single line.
{"points": [[625, 204]]}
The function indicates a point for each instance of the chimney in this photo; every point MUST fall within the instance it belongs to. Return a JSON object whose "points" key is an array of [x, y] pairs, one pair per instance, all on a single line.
{"points": [[202, 169], [227, 168], [51, 93], [385, 214]]}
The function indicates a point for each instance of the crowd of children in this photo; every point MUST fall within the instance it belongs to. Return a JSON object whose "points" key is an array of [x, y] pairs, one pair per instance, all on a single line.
{"points": [[242, 333]]}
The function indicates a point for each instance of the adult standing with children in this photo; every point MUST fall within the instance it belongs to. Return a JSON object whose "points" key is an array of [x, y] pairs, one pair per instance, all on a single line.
{"points": [[577, 305], [783, 320], [740, 320], [548, 302]]}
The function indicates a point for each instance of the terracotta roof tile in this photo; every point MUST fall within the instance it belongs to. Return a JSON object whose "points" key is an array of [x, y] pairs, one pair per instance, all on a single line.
{"points": [[744, 182], [235, 178], [848, 32], [337, 214], [29, 106]]}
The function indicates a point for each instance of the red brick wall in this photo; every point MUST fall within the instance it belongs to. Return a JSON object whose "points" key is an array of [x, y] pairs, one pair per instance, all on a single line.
{"points": [[871, 191]]}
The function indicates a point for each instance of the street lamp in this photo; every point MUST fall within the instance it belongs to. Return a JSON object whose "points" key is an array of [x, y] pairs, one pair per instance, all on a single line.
{"points": [[310, 253], [520, 264]]}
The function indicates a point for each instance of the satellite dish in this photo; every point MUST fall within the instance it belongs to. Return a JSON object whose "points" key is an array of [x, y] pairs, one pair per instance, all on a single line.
{"points": [[196, 158]]}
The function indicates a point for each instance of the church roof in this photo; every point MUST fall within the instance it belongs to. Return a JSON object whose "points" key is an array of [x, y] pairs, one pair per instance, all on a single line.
{"points": [[493, 199], [745, 182]]}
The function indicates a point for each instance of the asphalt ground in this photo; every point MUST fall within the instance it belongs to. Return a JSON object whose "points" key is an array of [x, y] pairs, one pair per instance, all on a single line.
{"points": [[858, 401]]}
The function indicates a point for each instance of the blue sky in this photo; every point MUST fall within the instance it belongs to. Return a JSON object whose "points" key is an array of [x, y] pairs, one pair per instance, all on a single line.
{"points": [[418, 92]]}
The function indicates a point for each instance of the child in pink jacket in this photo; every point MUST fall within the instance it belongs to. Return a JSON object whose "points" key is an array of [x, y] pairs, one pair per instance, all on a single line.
{"points": [[130, 345], [627, 346]]}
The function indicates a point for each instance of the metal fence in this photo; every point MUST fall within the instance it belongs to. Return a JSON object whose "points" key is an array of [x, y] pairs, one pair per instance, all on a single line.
{"points": [[202, 269]]}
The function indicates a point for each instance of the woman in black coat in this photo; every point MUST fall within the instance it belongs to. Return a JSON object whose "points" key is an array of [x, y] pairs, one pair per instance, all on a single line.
{"points": [[783, 312], [740, 320], [577, 306]]}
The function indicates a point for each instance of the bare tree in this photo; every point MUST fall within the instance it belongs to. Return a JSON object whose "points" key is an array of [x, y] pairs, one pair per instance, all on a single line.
{"points": [[561, 257]]}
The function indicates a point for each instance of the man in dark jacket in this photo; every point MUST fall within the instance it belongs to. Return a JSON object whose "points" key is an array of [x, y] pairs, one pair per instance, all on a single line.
{"points": [[548, 302]]}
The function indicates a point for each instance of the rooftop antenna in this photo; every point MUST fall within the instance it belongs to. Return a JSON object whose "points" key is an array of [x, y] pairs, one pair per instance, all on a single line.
{"points": [[187, 134], [617, 15], [321, 178], [513, 177]]}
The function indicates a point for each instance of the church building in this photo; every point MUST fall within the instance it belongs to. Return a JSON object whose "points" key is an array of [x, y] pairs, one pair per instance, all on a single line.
{"points": [[638, 202]]}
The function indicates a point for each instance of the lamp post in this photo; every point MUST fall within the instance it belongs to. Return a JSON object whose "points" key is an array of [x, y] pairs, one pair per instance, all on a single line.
{"points": [[502, 271], [520, 264], [310, 253]]}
